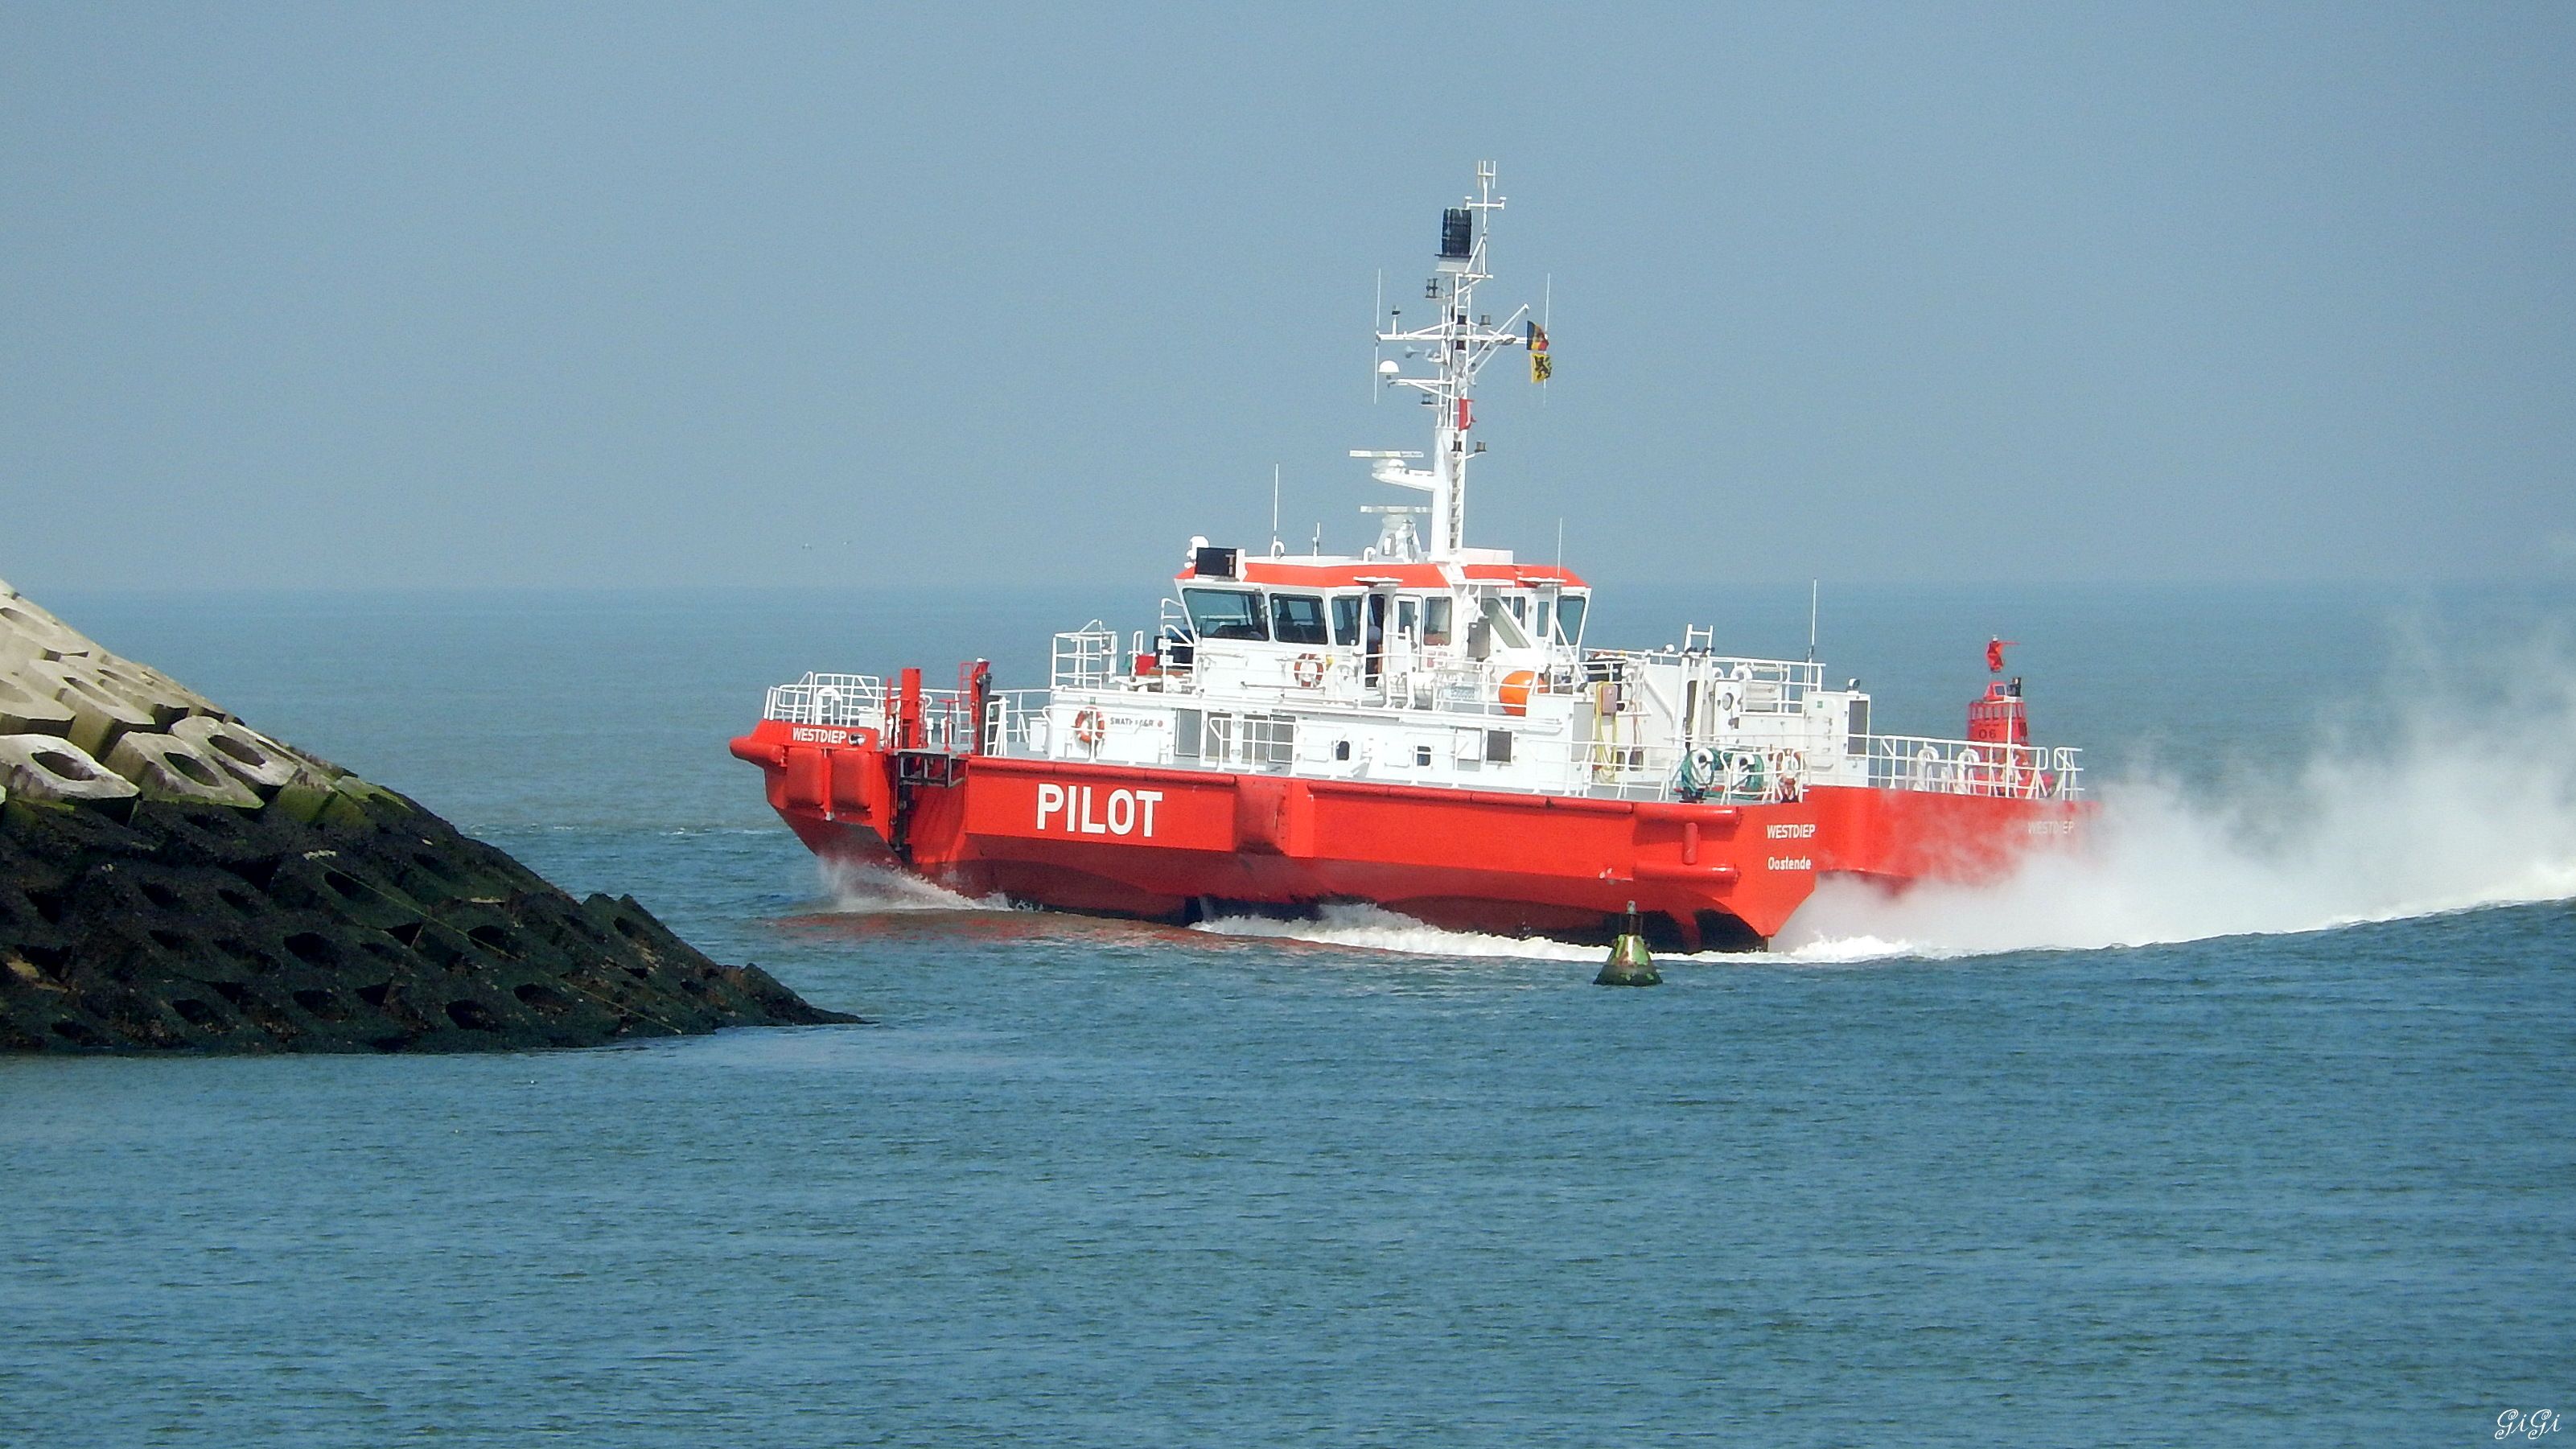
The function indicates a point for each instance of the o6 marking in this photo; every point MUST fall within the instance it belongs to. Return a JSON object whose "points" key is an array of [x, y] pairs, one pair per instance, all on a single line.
{"points": [[1126, 810]]}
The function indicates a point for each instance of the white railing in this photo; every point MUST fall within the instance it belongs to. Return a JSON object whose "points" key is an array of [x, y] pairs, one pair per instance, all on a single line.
{"points": [[1967, 767], [828, 699], [1788, 675], [1570, 763], [1085, 658]]}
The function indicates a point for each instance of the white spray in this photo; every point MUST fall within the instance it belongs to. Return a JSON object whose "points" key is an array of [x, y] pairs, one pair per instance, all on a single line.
{"points": [[2466, 798], [867, 890]]}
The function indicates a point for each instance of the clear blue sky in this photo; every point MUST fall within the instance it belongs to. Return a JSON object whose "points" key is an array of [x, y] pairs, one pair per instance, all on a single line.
{"points": [[592, 296]]}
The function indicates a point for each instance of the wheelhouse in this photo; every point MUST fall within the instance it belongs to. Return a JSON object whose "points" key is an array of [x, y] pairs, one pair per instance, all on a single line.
{"points": [[1345, 603]]}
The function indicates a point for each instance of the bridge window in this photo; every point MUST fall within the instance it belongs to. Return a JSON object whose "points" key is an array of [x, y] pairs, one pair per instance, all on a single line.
{"points": [[1569, 618], [1346, 619], [1435, 619], [1408, 617], [1297, 619], [1224, 613]]}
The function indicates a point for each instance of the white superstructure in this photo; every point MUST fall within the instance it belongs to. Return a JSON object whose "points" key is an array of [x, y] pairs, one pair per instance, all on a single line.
{"points": [[1421, 661]]}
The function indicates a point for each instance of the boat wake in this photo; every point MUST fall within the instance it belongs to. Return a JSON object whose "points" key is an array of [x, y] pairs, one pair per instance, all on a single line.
{"points": [[2442, 810], [864, 890], [1375, 928]]}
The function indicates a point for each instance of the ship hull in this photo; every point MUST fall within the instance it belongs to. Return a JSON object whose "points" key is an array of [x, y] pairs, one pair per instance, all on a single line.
{"points": [[1167, 844]]}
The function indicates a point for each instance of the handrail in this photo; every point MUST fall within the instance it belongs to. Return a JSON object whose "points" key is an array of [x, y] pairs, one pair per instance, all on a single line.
{"points": [[1085, 658], [1555, 760], [828, 699], [1973, 767]]}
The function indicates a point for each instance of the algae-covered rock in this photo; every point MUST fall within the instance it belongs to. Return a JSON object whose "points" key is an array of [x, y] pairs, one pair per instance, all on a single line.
{"points": [[210, 928], [208, 888]]}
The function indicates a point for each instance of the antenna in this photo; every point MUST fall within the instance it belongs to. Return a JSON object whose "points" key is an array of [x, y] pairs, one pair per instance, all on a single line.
{"points": [[1377, 350], [1274, 515], [1457, 341], [1811, 620]]}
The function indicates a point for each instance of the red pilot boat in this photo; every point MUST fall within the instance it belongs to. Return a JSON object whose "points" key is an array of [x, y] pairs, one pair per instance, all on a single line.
{"points": [[1422, 726]]}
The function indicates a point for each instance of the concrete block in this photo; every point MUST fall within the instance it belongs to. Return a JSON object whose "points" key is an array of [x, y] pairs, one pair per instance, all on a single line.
{"points": [[165, 767], [247, 755], [44, 767], [99, 713], [29, 623], [24, 711], [165, 699]]}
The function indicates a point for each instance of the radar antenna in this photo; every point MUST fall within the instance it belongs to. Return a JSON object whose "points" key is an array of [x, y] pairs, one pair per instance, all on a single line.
{"points": [[1457, 343]]}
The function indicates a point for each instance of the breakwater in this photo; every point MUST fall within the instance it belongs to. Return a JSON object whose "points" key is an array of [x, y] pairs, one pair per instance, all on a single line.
{"points": [[172, 878]]}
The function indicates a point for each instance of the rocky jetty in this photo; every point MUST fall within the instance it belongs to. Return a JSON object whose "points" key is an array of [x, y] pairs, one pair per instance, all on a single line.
{"points": [[172, 879]]}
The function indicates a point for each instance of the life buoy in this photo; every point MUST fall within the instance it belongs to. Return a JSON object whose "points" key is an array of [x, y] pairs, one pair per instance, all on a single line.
{"points": [[1786, 771], [1309, 670], [1089, 727]]}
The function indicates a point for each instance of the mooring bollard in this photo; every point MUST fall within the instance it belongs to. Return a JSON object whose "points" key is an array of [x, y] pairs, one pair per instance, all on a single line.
{"points": [[1629, 963]]}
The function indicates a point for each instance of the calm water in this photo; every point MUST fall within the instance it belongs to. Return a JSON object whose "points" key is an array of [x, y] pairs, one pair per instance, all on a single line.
{"points": [[1098, 1183]]}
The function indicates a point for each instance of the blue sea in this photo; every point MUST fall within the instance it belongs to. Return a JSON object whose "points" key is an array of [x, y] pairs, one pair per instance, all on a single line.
{"points": [[2256, 1125]]}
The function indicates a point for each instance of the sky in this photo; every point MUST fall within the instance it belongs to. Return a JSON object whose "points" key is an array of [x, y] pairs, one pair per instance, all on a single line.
{"points": [[485, 296]]}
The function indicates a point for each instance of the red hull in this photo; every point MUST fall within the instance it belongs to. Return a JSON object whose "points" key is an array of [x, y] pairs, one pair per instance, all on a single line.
{"points": [[1156, 843]]}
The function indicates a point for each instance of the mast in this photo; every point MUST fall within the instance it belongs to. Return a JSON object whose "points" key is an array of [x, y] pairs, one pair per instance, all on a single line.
{"points": [[1457, 344]]}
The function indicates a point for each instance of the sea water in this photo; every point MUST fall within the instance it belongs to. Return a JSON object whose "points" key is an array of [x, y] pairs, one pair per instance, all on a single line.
{"points": [[2255, 1124]]}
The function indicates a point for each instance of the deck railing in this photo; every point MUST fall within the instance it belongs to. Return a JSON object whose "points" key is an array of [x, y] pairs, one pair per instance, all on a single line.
{"points": [[828, 699], [1571, 763], [1085, 658], [1968, 767]]}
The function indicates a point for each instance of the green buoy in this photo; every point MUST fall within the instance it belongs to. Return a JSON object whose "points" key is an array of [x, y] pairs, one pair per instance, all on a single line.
{"points": [[1629, 965]]}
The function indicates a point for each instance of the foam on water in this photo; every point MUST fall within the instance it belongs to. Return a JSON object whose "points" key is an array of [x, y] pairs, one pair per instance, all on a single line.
{"points": [[875, 890], [1376, 928], [2465, 798]]}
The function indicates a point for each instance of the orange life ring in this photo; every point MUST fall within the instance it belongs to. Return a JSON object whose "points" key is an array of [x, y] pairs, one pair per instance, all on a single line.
{"points": [[1309, 670], [1517, 688], [1089, 727]]}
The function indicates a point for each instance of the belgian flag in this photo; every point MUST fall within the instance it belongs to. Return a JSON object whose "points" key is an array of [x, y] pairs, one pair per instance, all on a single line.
{"points": [[1542, 367]]}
